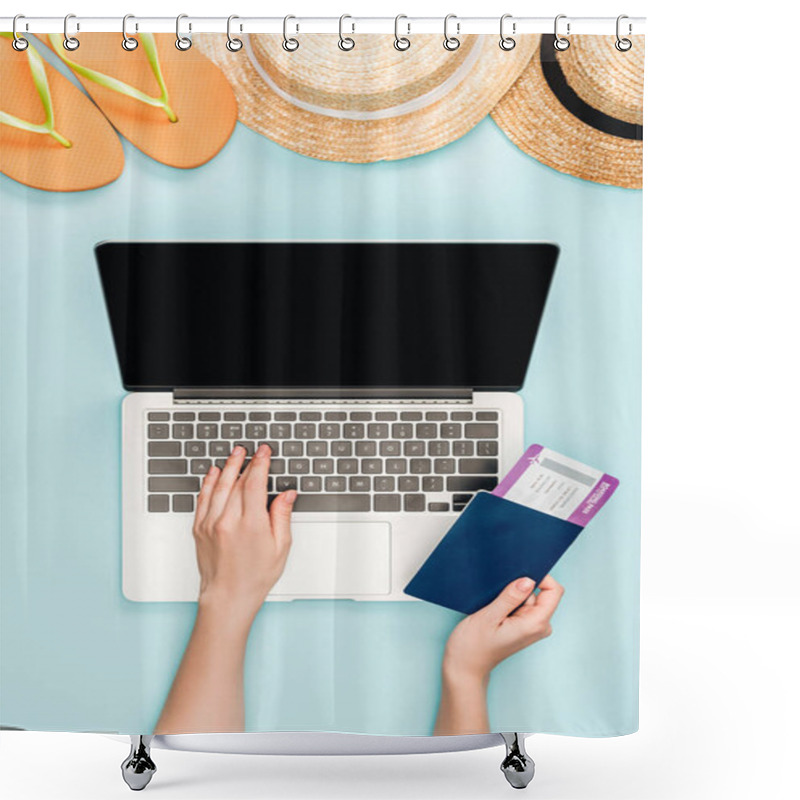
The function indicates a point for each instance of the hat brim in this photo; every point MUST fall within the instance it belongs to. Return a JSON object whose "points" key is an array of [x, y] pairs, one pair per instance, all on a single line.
{"points": [[539, 123], [431, 121]]}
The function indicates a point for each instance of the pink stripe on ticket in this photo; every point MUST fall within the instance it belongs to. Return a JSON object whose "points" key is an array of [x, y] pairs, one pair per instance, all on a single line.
{"points": [[517, 470], [598, 497]]}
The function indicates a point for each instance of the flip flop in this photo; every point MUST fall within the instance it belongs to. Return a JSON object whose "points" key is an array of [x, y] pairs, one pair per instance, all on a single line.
{"points": [[175, 106], [52, 136]]}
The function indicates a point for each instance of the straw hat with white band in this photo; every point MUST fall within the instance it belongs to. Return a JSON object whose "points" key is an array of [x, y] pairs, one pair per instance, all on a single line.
{"points": [[580, 110], [372, 103]]}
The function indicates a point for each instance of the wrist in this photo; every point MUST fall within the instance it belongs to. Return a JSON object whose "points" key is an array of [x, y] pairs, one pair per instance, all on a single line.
{"points": [[464, 678], [219, 610]]}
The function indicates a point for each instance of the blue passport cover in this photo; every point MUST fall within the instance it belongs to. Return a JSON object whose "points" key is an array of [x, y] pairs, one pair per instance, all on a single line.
{"points": [[492, 543]]}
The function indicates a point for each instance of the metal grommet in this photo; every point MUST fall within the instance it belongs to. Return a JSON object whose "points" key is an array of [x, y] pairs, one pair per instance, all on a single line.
{"points": [[71, 43], [401, 43], [450, 42], [233, 44], [623, 45], [128, 42], [345, 42], [506, 42], [290, 44], [182, 42], [19, 43], [561, 43]]}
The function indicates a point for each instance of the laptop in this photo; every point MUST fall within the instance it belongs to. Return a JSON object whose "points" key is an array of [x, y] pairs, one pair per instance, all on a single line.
{"points": [[383, 375]]}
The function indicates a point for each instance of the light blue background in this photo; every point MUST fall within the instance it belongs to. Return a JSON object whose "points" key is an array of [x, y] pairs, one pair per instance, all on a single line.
{"points": [[77, 656]]}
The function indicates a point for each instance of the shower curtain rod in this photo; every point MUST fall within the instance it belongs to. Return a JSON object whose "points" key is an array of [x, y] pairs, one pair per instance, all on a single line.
{"points": [[299, 25]]}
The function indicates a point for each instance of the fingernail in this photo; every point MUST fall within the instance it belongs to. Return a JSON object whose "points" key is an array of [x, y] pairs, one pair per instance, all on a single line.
{"points": [[291, 496], [238, 450], [524, 585], [262, 451]]}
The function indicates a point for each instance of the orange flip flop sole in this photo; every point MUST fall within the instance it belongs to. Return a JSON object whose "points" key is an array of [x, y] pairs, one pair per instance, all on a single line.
{"points": [[199, 94], [36, 159]]}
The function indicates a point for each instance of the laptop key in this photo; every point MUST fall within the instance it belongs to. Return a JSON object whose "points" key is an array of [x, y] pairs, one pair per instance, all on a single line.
{"points": [[353, 430], [486, 415], [207, 430], [311, 483], [341, 449], [439, 448], [336, 416], [158, 416], [158, 502], [317, 449], [305, 430], [255, 430], [462, 499], [183, 416], [173, 484], [163, 466], [209, 416], [402, 430], [219, 449], [480, 430], [386, 502], [359, 483], [427, 430], [470, 483], [323, 466], [385, 416], [383, 483], [414, 502], [299, 466], [390, 448], [277, 466], [330, 430], [220, 463], [433, 483], [396, 466], [408, 483], [360, 416], [285, 482], [194, 449], [410, 416], [366, 448], [438, 506], [310, 416], [280, 430], [378, 430], [463, 448], [285, 416], [292, 448], [234, 416], [478, 466], [158, 431], [335, 483], [347, 466], [451, 430], [444, 466], [200, 466], [332, 502], [183, 503], [437, 416], [371, 466], [249, 447], [487, 448], [163, 449], [411, 448], [461, 416], [232, 431], [419, 466], [260, 416]]}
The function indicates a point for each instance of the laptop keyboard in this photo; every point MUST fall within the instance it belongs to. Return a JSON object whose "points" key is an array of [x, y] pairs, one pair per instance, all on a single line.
{"points": [[344, 460]]}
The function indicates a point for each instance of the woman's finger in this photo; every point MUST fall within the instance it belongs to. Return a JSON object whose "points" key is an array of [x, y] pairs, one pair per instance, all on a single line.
{"points": [[549, 596], [204, 498], [254, 482], [280, 515], [513, 596], [226, 482]]}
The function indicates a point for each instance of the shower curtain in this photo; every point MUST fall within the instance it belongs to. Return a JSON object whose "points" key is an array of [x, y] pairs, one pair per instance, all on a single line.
{"points": [[308, 140]]}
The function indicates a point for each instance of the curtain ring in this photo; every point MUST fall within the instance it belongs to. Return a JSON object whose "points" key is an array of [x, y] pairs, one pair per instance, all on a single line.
{"points": [[345, 42], [561, 43], [623, 45], [290, 44], [401, 43], [506, 42], [182, 42], [19, 43], [71, 43], [233, 44], [128, 42], [450, 42]]}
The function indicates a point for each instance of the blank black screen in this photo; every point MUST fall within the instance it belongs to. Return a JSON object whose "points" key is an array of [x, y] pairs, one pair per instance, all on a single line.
{"points": [[324, 314]]}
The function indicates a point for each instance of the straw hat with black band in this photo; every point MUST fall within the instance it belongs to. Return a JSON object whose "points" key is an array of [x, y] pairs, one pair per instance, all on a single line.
{"points": [[580, 110], [373, 102]]}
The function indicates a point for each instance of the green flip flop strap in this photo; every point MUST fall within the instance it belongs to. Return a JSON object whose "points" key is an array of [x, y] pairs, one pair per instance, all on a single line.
{"points": [[149, 45], [36, 64]]}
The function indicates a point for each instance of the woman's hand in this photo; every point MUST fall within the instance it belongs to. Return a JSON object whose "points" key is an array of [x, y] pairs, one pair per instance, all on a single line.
{"points": [[514, 620], [241, 549]]}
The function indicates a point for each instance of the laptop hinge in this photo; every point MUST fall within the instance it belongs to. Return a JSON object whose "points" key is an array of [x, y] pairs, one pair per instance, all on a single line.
{"points": [[332, 394]]}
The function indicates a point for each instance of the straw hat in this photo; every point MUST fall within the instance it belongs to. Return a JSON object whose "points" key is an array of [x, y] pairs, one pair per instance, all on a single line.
{"points": [[372, 103], [580, 110]]}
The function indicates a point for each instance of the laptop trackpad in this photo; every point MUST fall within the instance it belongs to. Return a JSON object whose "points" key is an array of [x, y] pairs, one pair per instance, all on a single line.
{"points": [[337, 558]]}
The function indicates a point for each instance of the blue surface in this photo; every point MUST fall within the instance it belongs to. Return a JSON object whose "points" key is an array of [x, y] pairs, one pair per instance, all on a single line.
{"points": [[77, 656]]}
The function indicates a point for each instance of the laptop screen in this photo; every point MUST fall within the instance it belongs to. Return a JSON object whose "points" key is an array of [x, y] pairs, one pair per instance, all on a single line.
{"points": [[324, 314]]}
